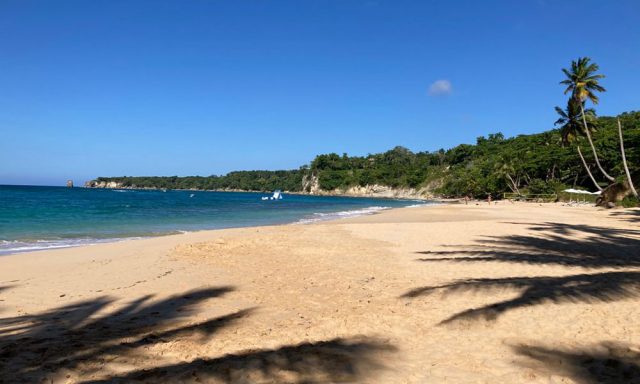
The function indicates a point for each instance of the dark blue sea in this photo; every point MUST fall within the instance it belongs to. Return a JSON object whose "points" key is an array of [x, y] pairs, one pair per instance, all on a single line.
{"points": [[34, 217]]}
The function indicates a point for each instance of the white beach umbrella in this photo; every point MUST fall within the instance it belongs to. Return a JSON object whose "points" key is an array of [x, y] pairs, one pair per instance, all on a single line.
{"points": [[579, 192]]}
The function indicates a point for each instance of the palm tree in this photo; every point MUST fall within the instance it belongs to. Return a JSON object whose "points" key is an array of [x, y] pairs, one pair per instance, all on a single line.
{"points": [[503, 169], [571, 129], [571, 121], [624, 161], [582, 82]]}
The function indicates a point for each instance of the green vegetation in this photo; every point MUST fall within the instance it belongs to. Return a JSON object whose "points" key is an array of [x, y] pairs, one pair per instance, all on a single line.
{"points": [[536, 164], [543, 163], [396, 168], [244, 180], [583, 82]]}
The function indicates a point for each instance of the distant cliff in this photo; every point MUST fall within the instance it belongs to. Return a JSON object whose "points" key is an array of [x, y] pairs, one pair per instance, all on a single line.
{"points": [[309, 185], [104, 184]]}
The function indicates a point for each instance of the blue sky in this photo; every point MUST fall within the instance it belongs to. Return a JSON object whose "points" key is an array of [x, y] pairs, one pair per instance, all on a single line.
{"points": [[107, 88]]}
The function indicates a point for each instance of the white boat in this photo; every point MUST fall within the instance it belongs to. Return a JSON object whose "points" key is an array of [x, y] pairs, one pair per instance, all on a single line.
{"points": [[277, 195]]}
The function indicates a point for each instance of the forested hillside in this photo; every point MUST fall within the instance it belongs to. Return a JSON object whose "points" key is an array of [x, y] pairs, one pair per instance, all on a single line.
{"points": [[242, 180], [537, 163]]}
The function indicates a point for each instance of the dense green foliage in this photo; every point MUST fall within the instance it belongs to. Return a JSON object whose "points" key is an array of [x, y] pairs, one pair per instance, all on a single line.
{"points": [[398, 167], [243, 180], [537, 163]]}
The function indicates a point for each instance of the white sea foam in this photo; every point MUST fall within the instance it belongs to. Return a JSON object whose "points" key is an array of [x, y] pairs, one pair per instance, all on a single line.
{"points": [[339, 215], [316, 217], [17, 246], [422, 204]]}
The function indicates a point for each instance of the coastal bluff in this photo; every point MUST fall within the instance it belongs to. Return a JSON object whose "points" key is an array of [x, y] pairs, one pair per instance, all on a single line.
{"points": [[104, 184]]}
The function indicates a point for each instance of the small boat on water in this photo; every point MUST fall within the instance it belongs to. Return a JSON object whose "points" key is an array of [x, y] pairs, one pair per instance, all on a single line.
{"points": [[277, 195]]}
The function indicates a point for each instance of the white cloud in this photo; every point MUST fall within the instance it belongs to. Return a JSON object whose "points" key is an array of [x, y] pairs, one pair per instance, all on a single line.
{"points": [[440, 88]]}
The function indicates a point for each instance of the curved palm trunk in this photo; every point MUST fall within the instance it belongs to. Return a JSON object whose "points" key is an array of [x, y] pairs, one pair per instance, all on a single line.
{"points": [[593, 148], [588, 170], [624, 162], [513, 183]]}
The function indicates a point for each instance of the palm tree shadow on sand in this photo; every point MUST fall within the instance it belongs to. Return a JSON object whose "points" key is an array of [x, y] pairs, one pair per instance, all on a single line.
{"points": [[586, 288], [554, 244], [80, 337], [336, 360], [630, 215], [83, 340], [571, 245], [604, 363]]}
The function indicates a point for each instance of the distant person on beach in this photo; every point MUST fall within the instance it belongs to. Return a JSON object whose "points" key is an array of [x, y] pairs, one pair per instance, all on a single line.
{"points": [[466, 199], [489, 199]]}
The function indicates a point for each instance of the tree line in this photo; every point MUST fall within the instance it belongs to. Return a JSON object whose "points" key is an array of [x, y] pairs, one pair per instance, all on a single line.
{"points": [[525, 164], [290, 180]]}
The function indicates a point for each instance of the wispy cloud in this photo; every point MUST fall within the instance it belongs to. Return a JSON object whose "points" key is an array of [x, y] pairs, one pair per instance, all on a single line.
{"points": [[440, 88]]}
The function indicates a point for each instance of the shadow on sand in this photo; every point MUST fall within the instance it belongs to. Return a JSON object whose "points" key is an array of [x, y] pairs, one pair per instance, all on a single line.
{"points": [[630, 215], [5, 287], [90, 341], [80, 337], [605, 363], [557, 244], [586, 288], [554, 244], [337, 360]]}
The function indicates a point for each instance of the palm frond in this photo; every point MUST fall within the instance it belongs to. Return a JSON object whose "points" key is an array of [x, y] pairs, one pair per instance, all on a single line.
{"points": [[582, 81]]}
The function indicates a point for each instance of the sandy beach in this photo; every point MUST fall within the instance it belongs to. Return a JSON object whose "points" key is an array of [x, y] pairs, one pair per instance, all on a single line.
{"points": [[511, 293]]}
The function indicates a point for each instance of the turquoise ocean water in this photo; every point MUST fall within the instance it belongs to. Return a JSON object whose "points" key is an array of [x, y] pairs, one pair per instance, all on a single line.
{"points": [[33, 217]]}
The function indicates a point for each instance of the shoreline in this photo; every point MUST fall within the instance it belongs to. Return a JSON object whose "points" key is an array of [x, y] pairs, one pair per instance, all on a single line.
{"points": [[75, 243], [98, 241], [446, 293], [333, 219]]}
